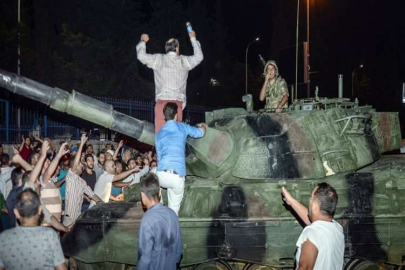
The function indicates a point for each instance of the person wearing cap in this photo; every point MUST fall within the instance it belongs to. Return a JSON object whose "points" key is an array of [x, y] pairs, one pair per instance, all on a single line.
{"points": [[274, 89]]}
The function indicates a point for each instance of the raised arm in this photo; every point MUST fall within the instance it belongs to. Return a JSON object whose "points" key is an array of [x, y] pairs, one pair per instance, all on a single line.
{"points": [[120, 144], [263, 91], [83, 140], [22, 143], [54, 164], [19, 160], [143, 57], [38, 167], [299, 208], [198, 56]]}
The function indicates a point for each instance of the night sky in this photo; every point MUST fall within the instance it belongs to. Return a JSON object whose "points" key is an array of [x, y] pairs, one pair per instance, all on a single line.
{"points": [[89, 45]]}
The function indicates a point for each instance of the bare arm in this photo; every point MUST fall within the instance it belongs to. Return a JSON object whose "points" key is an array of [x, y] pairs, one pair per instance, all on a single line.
{"points": [[299, 208], [121, 143], [60, 182], [309, 253], [38, 167], [120, 184], [119, 198], [83, 140], [17, 159], [124, 175], [54, 164], [22, 144], [57, 225]]}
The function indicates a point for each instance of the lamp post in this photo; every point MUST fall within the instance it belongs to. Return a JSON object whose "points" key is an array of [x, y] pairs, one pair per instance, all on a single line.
{"points": [[354, 71], [18, 69], [247, 49]]}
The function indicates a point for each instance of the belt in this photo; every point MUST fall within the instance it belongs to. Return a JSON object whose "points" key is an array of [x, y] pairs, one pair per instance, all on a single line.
{"points": [[171, 171]]}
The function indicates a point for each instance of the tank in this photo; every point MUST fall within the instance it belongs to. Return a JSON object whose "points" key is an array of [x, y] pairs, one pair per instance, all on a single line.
{"points": [[232, 215]]}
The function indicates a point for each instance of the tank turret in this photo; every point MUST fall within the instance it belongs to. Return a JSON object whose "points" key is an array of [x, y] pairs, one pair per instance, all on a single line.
{"points": [[232, 216]]}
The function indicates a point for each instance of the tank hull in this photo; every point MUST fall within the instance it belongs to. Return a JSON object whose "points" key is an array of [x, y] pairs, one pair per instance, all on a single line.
{"points": [[247, 222]]}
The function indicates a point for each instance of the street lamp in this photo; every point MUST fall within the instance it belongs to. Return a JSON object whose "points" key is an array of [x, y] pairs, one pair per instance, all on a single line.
{"points": [[247, 49], [354, 71]]}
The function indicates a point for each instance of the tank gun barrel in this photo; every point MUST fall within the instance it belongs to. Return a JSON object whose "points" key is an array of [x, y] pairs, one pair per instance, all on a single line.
{"points": [[79, 105]]}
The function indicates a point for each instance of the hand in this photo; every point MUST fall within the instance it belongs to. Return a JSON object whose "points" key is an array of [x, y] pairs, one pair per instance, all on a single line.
{"points": [[44, 148], [23, 139], [120, 144], [15, 151], [287, 198], [278, 110], [69, 228], [145, 37], [63, 150], [119, 198], [202, 125], [267, 77], [192, 34], [83, 139]]}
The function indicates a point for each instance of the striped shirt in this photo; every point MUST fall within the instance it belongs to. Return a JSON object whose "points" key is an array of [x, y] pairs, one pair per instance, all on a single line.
{"points": [[50, 197], [75, 188], [171, 70]]}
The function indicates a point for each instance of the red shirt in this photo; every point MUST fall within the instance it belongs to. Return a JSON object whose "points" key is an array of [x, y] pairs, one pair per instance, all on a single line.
{"points": [[25, 152]]}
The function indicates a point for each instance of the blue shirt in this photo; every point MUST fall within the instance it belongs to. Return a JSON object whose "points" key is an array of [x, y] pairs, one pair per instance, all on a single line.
{"points": [[62, 188], [171, 145], [159, 245]]}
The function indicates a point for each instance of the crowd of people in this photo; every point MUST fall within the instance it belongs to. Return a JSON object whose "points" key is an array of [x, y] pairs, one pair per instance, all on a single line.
{"points": [[68, 179], [52, 186]]}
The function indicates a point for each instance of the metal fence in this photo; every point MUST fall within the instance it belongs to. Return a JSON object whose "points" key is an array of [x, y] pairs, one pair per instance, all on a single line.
{"points": [[38, 119]]}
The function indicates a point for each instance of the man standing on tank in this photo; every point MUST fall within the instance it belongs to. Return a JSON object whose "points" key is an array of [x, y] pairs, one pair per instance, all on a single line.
{"points": [[274, 89], [171, 72], [321, 244]]}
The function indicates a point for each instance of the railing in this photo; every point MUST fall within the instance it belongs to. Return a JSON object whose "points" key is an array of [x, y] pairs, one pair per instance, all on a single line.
{"points": [[37, 119]]}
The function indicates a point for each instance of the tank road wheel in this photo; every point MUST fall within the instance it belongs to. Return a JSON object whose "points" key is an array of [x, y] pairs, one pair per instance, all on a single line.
{"points": [[356, 264], [253, 266], [212, 265]]}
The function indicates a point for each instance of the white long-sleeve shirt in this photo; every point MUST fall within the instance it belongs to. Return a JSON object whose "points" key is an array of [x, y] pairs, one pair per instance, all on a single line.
{"points": [[171, 70]]}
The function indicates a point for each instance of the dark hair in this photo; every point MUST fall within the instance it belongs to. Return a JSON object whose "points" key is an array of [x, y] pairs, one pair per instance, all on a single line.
{"points": [[101, 152], [87, 146], [25, 177], [32, 155], [87, 156], [130, 160], [27, 203], [327, 198], [170, 110], [71, 162], [5, 159], [16, 176], [150, 186], [171, 45]]}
